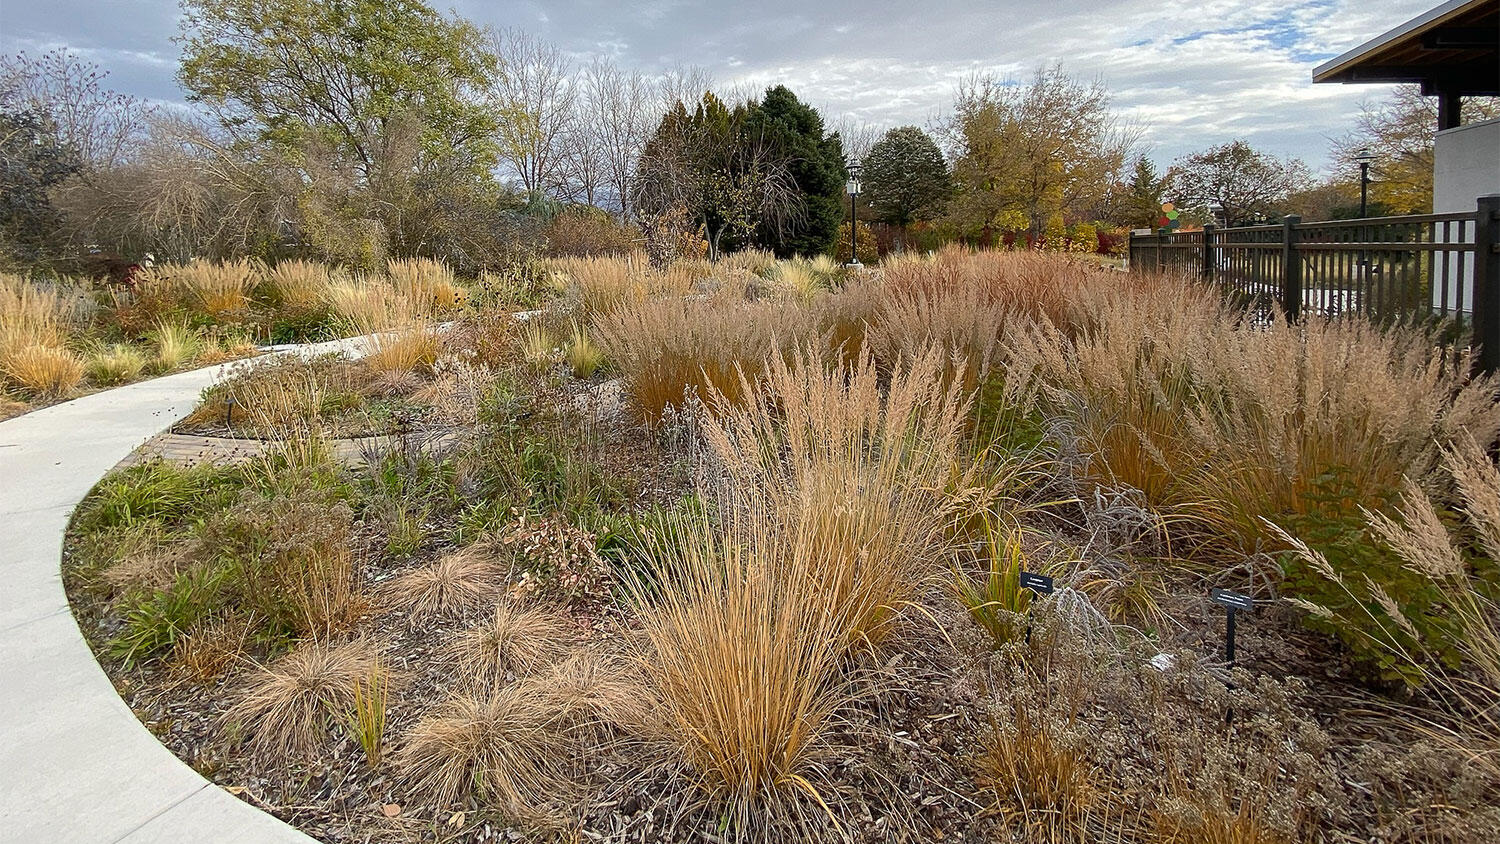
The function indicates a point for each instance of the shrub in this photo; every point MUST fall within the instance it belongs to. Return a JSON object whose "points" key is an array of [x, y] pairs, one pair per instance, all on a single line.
{"points": [[580, 232], [1433, 620], [869, 247], [290, 560]]}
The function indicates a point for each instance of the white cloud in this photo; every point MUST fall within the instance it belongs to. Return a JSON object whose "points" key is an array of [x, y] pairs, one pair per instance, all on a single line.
{"points": [[1194, 76]]}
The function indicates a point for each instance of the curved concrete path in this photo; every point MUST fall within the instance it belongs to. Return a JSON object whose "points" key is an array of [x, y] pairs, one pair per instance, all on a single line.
{"points": [[76, 765]]}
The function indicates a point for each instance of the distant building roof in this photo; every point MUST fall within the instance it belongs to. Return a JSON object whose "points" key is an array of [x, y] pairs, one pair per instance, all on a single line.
{"points": [[1452, 51]]}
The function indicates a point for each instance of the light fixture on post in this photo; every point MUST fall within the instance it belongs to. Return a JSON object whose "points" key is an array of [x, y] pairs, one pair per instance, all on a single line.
{"points": [[1364, 158], [852, 188]]}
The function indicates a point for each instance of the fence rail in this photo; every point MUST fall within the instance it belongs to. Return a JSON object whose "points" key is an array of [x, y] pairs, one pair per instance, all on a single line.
{"points": [[1439, 267]]}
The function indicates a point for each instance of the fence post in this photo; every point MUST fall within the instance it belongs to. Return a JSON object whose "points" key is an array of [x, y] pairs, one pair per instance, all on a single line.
{"points": [[1291, 269], [1207, 270], [1487, 283]]}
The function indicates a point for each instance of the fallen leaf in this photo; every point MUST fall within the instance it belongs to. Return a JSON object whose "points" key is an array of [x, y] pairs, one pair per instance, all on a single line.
{"points": [[236, 790], [457, 820], [391, 810]]}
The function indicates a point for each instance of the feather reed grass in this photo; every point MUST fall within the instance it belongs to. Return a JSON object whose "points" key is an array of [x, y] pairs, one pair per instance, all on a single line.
{"points": [[664, 348]]}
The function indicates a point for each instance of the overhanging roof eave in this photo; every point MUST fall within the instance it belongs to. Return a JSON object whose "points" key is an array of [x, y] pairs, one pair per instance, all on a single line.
{"points": [[1331, 70]]}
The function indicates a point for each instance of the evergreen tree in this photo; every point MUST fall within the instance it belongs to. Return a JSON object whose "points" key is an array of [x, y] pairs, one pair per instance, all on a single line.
{"points": [[905, 177], [1143, 196], [794, 132]]}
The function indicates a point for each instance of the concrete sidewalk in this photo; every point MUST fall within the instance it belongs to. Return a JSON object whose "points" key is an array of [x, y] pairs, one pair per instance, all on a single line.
{"points": [[75, 763]]}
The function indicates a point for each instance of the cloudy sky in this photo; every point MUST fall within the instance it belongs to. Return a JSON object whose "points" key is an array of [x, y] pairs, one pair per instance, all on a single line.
{"points": [[1191, 74]]}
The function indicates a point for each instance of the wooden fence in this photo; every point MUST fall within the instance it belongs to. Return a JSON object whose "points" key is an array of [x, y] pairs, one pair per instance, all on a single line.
{"points": [[1439, 268]]}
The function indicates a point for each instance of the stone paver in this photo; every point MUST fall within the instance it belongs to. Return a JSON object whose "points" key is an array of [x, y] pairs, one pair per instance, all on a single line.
{"points": [[75, 763], [189, 450]]}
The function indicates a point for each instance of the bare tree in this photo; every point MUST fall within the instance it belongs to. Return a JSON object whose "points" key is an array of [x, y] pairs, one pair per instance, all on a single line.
{"points": [[858, 137], [183, 192], [682, 84], [97, 123], [535, 90], [617, 112]]}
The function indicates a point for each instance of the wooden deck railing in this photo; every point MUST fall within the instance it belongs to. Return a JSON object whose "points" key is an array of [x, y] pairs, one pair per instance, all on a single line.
{"points": [[1439, 268]]}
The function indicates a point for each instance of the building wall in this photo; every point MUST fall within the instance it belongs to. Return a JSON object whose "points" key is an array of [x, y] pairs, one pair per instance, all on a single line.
{"points": [[1465, 166]]}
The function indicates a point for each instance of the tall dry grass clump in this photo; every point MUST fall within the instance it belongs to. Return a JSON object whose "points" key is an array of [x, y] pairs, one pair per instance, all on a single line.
{"points": [[600, 284], [663, 347], [761, 262], [47, 371], [1034, 285], [966, 321], [864, 476], [34, 323], [300, 285], [220, 290], [398, 329], [744, 659], [1167, 391], [833, 494], [426, 282], [288, 707]]}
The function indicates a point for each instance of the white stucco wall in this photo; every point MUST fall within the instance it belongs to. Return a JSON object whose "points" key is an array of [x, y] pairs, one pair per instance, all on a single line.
{"points": [[1465, 166]]}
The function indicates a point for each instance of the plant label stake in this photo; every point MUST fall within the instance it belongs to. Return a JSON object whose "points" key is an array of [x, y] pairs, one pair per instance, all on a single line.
{"points": [[1039, 584], [1232, 602]]}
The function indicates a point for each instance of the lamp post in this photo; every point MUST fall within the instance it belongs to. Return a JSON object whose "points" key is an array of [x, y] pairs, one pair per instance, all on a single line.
{"points": [[852, 187], [1364, 157]]}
